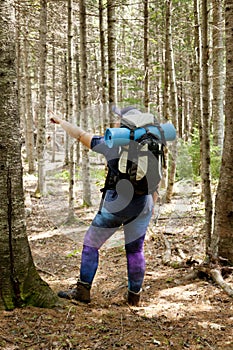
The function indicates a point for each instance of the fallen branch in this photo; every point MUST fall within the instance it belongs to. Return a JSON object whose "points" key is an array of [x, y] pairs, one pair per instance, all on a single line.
{"points": [[177, 217], [39, 269]]}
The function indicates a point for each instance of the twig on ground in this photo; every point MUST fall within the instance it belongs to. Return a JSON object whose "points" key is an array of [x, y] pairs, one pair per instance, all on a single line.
{"points": [[39, 269]]}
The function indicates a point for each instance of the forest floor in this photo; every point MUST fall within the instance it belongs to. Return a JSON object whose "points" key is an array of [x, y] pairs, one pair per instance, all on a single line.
{"points": [[175, 313]]}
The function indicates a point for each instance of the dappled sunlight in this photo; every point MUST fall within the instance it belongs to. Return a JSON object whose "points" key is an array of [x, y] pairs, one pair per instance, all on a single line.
{"points": [[173, 310], [176, 302]]}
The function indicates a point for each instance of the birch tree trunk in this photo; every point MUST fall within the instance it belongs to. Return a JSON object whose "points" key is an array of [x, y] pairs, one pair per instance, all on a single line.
{"points": [[206, 130], [218, 73], [84, 101], [20, 284], [222, 240], [41, 187]]}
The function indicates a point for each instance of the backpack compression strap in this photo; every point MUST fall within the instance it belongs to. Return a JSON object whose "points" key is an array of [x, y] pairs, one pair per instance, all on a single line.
{"points": [[131, 167], [163, 143]]}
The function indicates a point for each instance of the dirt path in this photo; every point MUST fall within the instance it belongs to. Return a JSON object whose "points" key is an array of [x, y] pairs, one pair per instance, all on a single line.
{"points": [[175, 314]]}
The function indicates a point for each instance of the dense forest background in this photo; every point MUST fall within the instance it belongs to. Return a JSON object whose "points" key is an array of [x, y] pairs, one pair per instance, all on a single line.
{"points": [[76, 59]]}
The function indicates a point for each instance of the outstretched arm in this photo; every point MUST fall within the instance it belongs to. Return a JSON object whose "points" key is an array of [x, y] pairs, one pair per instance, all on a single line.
{"points": [[74, 131]]}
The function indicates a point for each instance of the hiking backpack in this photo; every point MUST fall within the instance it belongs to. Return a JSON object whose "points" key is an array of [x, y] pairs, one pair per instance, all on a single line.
{"points": [[141, 160]]}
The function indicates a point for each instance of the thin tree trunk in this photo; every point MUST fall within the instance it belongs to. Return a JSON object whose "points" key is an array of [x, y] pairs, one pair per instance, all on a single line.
{"points": [[218, 73], [206, 131], [112, 85], [65, 106], [174, 104], [199, 109], [70, 111], [197, 68], [166, 111], [146, 55], [103, 64], [54, 100], [41, 188], [77, 95], [84, 101], [29, 132]]}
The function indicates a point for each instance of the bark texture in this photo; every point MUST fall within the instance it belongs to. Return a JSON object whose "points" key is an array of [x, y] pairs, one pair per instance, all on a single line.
{"points": [[222, 241], [84, 101], [20, 284], [42, 99]]}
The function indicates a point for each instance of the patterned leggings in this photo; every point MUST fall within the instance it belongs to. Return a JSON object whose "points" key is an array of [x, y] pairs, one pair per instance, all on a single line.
{"points": [[103, 227]]}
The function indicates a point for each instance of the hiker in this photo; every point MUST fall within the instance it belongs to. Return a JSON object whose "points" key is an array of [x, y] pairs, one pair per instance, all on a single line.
{"points": [[120, 207]]}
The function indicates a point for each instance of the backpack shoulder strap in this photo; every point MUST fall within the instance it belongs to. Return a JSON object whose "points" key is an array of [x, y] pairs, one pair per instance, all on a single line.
{"points": [[158, 126]]}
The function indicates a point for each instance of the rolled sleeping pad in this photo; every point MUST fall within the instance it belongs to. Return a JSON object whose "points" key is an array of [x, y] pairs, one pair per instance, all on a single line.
{"points": [[121, 136]]}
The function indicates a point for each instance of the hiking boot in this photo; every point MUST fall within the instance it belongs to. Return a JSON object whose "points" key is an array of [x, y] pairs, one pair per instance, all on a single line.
{"points": [[133, 298], [80, 293]]}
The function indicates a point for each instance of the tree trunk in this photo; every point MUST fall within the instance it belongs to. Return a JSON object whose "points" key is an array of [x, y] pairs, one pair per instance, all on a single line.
{"points": [[103, 65], [18, 61], [112, 85], [84, 101], [20, 283], [77, 95], [199, 92], [197, 68], [54, 100], [222, 241], [206, 130], [41, 187], [70, 111], [65, 110], [174, 102], [166, 110], [29, 127], [166, 90], [218, 74], [146, 55]]}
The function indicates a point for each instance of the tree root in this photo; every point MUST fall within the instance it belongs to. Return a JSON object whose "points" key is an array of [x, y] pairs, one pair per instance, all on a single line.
{"points": [[181, 261], [216, 275], [211, 271]]}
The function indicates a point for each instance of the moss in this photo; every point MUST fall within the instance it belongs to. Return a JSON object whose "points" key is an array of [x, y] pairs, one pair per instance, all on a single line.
{"points": [[36, 292]]}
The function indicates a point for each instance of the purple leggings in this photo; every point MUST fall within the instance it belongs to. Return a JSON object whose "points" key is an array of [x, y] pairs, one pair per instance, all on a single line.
{"points": [[103, 227]]}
